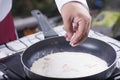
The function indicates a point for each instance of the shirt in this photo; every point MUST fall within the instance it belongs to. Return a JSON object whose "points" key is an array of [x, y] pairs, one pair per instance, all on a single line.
{"points": [[5, 6], [7, 29]]}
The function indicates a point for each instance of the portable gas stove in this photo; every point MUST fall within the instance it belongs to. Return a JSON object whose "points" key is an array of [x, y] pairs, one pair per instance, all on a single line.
{"points": [[11, 67]]}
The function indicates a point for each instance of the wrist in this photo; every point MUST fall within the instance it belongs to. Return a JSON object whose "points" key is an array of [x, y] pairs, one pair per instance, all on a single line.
{"points": [[74, 7], [82, 4], [61, 3]]}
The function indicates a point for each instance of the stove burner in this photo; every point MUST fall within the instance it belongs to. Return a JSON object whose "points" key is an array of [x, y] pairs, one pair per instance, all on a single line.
{"points": [[116, 46]]}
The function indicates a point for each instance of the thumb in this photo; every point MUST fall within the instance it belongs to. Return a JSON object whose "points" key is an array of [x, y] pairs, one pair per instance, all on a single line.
{"points": [[68, 28]]}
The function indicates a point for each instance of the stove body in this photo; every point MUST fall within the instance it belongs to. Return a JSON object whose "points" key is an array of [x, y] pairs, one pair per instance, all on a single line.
{"points": [[11, 67]]}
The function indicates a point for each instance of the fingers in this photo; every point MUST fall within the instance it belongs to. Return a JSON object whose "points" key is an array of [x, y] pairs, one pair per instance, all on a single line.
{"points": [[80, 32], [68, 28], [68, 36], [83, 36], [82, 27]]}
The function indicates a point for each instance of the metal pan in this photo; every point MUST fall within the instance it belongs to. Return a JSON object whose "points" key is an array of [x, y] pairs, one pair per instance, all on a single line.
{"points": [[54, 43]]}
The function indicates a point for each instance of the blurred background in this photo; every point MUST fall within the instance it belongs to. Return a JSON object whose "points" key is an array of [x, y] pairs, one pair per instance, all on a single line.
{"points": [[105, 14]]}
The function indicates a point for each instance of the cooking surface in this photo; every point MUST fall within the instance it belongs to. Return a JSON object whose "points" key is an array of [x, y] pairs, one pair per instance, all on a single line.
{"points": [[13, 51], [69, 65]]}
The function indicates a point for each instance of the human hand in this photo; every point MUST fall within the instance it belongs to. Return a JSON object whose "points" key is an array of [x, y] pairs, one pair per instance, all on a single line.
{"points": [[77, 21]]}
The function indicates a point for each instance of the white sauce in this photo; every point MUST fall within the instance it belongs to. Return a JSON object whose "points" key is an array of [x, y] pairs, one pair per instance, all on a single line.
{"points": [[69, 65]]}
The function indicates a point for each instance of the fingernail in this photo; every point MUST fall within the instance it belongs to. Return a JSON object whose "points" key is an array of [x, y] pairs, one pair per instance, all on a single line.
{"points": [[73, 45]]}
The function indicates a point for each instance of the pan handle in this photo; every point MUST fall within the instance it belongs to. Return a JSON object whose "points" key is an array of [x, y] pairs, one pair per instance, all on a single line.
{"points": [[44, 24]]}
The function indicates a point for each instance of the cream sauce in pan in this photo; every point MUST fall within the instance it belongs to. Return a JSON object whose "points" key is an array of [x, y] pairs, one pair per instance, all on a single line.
{"points": [[69, 65]]}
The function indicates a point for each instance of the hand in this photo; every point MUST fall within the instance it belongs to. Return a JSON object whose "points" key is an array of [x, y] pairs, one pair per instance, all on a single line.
{"points": [[77, 21]]}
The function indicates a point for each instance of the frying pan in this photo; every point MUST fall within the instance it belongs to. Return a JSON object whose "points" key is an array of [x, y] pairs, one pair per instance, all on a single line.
{"points": [[54, 43]]}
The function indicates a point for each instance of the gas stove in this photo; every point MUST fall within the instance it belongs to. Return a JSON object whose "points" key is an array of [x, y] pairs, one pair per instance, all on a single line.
{"points": [[11, 67]]}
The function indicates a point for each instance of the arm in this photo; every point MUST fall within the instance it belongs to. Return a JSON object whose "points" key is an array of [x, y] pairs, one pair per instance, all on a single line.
{"points": [[76, 19]]}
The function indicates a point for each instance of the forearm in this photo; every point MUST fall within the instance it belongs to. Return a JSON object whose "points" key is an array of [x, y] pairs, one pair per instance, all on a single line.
{"points": [[61, 3]]}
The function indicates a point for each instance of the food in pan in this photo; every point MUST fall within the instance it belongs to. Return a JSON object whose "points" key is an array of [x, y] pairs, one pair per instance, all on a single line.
{"points": [[69, 65]]}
